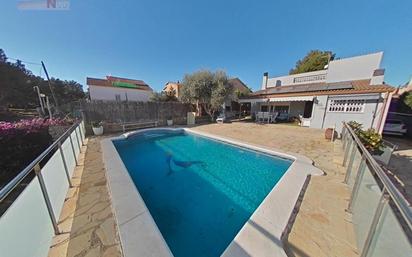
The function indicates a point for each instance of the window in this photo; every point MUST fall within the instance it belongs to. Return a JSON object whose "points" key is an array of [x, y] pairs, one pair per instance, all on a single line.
{"points": [[264, 108], [282, 108], [118, 98], [351, 106]]}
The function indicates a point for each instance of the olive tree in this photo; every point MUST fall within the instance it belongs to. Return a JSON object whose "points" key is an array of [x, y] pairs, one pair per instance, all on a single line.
{"points": [[205, 89]]}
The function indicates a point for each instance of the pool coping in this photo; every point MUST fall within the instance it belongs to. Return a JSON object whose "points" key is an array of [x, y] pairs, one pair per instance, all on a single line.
{"points": [[261, 235]]}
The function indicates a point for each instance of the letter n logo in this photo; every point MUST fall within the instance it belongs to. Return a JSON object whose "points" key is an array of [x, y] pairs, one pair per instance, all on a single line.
{"points": [[51, 3]]}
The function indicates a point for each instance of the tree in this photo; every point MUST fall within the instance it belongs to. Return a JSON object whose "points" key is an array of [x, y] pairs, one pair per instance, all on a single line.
{"points": [[3, 57], [208, 90], [164, 97], [405, 103], [313, 61], [408, 99], [17, 82]]}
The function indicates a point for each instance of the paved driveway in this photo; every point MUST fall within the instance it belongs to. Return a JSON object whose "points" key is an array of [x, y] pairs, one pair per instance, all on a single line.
{"points": [[401, 164]]}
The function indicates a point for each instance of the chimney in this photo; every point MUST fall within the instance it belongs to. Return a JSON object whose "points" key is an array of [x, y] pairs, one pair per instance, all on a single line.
{"points": [[265, 80]]}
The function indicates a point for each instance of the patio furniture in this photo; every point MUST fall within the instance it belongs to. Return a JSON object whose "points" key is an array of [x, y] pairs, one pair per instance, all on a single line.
{"points": [[304, 122], [266, 117], [259, 116], [269, 117], [221, 119], [273, 117], [283, 116]]}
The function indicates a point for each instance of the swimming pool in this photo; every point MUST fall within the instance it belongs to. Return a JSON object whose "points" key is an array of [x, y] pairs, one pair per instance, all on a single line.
{"points": [[199, 191]]}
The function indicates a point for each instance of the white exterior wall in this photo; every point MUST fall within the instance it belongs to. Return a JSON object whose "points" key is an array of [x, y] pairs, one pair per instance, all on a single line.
{"points": [[354, 68], [109, 93], [369, 118], [347, 69], [318, 111], [289, 79]]}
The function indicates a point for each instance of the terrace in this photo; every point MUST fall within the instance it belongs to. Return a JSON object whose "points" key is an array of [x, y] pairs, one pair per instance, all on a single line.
{"points": [[319, 226]]}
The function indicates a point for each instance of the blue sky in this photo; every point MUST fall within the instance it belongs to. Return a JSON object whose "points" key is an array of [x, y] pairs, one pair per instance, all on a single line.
{"points": [[160, 41]]}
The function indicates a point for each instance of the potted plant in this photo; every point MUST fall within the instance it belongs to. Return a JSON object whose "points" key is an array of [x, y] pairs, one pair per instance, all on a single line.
{"points": [[97, 127], [330, 133], [169, 121], [370, 138]]}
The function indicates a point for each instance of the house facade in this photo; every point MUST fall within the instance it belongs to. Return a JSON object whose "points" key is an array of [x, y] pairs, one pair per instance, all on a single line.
{"points": [[172, 88], [231, 106], [347, 89], [119, 89]]}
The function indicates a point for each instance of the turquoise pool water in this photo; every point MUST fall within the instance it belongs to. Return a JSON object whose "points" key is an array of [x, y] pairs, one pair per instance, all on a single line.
{"points": [[199, 191]]}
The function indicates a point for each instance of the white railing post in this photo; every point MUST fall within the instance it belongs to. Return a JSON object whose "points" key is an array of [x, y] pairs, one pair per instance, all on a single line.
{"points": [[65, 164], [81, 133], [356, 186], [345, 157], [46, 198], [350, 164], [74, 152], [77, 139], [375, 221]]}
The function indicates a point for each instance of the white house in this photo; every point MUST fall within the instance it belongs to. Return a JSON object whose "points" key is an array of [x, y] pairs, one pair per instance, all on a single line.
{"points": [[119, 89], [347, 89]]}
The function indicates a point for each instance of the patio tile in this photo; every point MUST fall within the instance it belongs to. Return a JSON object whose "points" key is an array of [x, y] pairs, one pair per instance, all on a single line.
{"points": [[87, 217]]}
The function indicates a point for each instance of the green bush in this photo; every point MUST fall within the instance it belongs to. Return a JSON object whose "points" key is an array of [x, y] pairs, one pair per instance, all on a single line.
{"points": [[96, 124], [370, 138], [355, 126]]}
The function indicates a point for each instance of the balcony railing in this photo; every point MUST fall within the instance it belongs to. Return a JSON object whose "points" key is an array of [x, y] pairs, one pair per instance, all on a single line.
{"points": [[29, 223], [381, 215], [310, 78]]}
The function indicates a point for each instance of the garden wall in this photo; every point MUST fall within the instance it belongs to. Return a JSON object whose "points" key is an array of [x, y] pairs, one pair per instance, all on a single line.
{"points": [[113, 111]]}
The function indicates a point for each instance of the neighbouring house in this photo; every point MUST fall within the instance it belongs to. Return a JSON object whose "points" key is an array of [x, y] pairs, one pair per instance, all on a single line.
{"points": [[172, 88], [231, 106], [347, 89], [119, 89], [397, 94]]}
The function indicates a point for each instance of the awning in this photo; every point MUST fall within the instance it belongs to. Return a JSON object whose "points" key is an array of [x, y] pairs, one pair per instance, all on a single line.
{"points": [[278, 99], [291, 99]]}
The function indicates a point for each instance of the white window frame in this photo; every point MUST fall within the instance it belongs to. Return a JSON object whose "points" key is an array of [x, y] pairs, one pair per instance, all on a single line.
{"points": [[346, 105]]}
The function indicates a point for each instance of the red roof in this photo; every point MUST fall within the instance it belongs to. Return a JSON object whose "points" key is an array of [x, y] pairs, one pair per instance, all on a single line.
{"points": [[132, 81], [108, 82]]}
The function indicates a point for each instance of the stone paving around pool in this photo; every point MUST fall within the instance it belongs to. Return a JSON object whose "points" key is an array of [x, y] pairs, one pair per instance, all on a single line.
{"points": [[320, 228], [87, 221], [400, 165]]}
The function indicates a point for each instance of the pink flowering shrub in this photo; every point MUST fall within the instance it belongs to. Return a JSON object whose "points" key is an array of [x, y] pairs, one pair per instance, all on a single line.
{"points": [[25, 127], [21, 142]]}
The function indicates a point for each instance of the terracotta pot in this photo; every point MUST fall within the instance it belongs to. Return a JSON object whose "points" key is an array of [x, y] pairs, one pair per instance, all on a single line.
{"points": [[328, 134]]}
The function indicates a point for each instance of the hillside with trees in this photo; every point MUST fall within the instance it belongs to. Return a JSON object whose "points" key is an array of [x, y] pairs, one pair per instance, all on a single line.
{"points": [[17, 82]]}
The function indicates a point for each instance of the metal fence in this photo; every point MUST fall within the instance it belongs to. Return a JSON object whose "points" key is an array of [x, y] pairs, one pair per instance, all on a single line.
{"points": [[29, 223], [381, 215]]}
